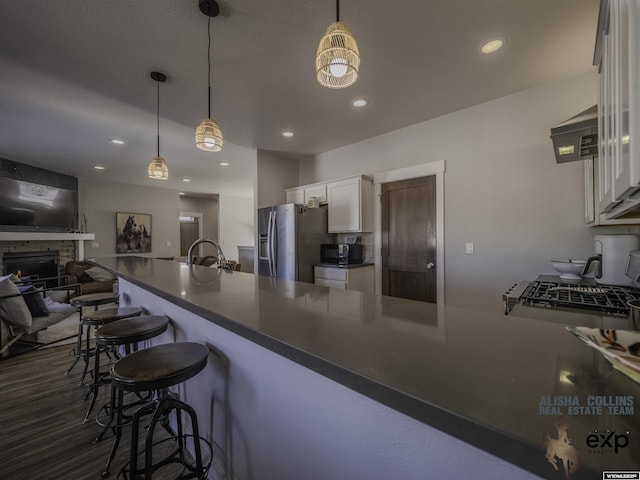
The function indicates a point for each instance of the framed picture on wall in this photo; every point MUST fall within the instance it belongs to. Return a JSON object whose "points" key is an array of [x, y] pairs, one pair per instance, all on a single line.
{"points": [[133, 232]]}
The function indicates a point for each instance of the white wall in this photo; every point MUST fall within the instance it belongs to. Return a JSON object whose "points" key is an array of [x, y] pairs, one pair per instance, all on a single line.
{"points": [[236, 224], [275, 173], [100, 201], [503, 189]]}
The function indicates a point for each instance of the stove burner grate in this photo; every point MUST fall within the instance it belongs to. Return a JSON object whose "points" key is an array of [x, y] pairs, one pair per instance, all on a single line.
{"points": [[605, 298]]}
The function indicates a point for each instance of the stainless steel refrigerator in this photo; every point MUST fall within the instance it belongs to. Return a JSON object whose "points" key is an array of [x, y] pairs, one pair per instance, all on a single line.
{"points": [[289, 239]]}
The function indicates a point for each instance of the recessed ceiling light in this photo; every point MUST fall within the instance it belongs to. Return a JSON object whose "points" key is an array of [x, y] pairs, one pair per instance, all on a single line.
{"points": [[287, 134], [180, 193], [361, 102], [98, 167], [224, 164], [492, 45], [116, 141], [186, 179]]}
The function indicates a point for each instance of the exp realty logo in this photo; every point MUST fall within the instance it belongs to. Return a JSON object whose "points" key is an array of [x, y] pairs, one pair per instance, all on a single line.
{"points": [[607, 442], [561, 450]]}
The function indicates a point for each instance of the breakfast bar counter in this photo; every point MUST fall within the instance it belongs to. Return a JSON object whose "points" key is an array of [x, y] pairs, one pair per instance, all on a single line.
{"points": [[325, 383]]}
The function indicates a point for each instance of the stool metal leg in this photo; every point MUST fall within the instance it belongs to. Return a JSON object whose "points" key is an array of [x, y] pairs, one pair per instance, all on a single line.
{"points": [[118, 429], [78, 349], [93, 389], [112, 412], [135, 424], [87, 355], [166, 405]]}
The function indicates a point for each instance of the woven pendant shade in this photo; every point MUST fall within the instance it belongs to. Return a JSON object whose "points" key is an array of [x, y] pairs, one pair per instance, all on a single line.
{"points": [[158, 169], [209, 136], [208, 133], [338, 58]]}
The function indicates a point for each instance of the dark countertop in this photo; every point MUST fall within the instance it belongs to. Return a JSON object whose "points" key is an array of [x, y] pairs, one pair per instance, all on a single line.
{"points": [[479, 376], [350, 265]]}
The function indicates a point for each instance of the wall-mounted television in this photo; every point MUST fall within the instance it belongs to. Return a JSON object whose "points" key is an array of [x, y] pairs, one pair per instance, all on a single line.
{"points": [[35, 199]]}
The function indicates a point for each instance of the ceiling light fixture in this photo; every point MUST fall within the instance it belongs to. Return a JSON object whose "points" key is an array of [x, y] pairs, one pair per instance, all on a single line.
{"points": [[287, 134], [359, 103], [338, 58], [116, 141], [158, 169], [98, 167], [492, 45], [224, 164], [208, 133]]}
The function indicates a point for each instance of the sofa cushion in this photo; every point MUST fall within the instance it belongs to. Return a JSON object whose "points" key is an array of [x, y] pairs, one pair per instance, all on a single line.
{"points": [[35, 301], [100, 274], [14, 310], [59, 312]]}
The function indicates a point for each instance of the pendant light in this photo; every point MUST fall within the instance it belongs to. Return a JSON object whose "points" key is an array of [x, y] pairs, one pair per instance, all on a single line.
{"points": [[158, 169], [338, 58], [208, 133]]}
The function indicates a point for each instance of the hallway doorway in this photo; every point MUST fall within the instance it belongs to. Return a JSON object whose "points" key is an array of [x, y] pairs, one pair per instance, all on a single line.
{"points": [[190, 231]]}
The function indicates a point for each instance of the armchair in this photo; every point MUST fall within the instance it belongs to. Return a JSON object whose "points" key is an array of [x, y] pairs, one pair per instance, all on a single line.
{"points": [[85, 273]]}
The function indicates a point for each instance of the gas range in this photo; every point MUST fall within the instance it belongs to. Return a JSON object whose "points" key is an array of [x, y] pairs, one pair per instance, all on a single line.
{"points": [[551, 292]]}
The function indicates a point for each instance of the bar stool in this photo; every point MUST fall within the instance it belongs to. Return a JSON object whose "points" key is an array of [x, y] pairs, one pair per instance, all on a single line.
{"points": [[91, 300], [97, 319], [156, 369], [127, 332]]}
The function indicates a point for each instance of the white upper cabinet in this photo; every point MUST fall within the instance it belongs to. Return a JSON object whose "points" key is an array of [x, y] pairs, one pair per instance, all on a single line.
{"points": [[350, 203], [618, 59], [318, 191], [304, 193], [294, 195]]}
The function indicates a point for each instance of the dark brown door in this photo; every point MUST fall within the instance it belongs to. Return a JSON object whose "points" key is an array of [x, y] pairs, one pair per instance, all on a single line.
{"points": [[409, 239]]}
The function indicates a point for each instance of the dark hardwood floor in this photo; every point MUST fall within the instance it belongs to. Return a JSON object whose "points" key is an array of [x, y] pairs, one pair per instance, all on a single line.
{"points": [[41, 411]]}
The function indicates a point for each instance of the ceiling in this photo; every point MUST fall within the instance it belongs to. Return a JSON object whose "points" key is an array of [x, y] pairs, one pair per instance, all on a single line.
{"points": [[75, 73]]}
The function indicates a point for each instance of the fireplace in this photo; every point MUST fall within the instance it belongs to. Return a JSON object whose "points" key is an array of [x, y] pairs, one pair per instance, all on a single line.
{"points": [[43, 264]]}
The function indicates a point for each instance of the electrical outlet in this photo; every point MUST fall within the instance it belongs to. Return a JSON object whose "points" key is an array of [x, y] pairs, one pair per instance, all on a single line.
{"points": [[469, 248], [168, 244], [95, 245]]}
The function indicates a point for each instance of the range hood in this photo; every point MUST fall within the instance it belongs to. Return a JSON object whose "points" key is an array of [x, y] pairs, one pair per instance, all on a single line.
{"points": [[576, 138]]}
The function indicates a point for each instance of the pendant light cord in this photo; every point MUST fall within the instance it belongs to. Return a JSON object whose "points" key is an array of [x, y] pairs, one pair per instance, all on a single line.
{"points": [[158, 115], [209, 63], [337, 10]]}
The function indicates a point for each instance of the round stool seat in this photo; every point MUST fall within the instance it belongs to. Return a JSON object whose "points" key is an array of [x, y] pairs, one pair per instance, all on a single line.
{"points": [[131, 330], [108, 315], [93, 299], [159, 367]]}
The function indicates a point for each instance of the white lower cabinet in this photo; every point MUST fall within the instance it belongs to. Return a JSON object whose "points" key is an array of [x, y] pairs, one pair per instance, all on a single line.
{"points": [[354, 278]]}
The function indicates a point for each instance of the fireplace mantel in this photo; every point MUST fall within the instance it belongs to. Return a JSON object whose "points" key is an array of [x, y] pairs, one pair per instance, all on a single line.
{"points": [[43, 236], [25, 236]]}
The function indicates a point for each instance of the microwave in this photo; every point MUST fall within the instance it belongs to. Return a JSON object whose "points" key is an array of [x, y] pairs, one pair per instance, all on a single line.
{"points": [[341, 253]]}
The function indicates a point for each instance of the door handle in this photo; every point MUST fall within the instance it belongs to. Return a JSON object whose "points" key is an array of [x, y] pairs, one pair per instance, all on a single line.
{"points": [[274, 253], [430, 265]]}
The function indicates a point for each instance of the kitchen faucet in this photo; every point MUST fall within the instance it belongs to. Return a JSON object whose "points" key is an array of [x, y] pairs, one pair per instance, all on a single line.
{"points": [[222, 261]]}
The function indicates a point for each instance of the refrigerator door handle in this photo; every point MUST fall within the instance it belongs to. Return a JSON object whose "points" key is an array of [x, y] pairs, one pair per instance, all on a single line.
{"points": [[272, 244], [269, 244]]}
